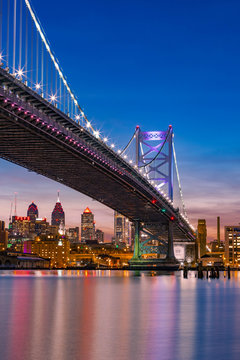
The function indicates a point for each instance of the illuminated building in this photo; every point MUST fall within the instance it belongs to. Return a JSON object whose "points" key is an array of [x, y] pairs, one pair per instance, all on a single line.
{"points": [[202, 237], [16, 260], [58, 215], [56, 250], [99, 236], [87, 226], [122, 229], [232, 245], [20, 226], [32, 212], [73, 234], [3, 236], [41, 226]]}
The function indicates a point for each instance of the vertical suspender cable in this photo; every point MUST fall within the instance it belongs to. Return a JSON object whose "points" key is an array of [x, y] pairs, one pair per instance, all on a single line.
{"points": [[68, 103], [42, 68], [60, 93], [37, 58], [51, 75], [20, 37], [26, 45], [32, 53], [56, 85], [1, 7], [14, 34], [46, 91], [8, 20], [64, 99]]}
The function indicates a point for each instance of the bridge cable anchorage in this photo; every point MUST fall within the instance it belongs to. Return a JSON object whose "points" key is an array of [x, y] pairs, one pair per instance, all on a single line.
{"points": [[178, 178], [159, 151], [57, 66]]}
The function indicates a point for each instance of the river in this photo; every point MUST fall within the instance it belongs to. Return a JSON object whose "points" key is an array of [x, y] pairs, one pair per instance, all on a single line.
{"points": [[103, 315]]}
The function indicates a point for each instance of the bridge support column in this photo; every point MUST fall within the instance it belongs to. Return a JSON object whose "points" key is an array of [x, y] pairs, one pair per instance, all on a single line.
{"points": [[170, 254], [136, 253]]}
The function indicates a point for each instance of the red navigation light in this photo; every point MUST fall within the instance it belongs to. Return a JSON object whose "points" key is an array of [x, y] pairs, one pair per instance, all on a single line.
{"points": [[137, 127], [154, 201], [172, 218], [170, 126], [87, 211]]}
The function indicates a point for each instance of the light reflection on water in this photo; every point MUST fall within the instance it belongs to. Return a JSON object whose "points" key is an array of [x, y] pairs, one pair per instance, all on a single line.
{"points": [[101, 315]]}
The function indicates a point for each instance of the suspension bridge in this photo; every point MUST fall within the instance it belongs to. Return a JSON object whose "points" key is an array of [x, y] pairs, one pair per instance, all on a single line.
{"points": [[44, 129]]}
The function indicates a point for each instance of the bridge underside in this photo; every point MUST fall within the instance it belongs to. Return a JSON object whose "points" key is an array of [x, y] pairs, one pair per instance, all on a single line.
{"points": [[34, 146], [28, 148]]}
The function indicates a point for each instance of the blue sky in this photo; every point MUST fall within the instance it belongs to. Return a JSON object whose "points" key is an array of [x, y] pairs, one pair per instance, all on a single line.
{"points": [[151, 63]]}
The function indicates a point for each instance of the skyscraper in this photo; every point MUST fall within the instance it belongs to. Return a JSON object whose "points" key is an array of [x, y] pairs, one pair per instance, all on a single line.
{"points": [[58, 215], [122, 229], [3, 236], [99, 234], [87, 226], [232, 245], [32, 212], [202, 236]]}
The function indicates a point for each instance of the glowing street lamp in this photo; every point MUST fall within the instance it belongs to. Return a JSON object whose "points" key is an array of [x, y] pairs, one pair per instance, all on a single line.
{"points": [[53, 98], [19, 73]]}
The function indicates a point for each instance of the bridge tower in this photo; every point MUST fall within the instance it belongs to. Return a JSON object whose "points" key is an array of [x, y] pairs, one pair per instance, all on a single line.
{"points": [[154, 156]]}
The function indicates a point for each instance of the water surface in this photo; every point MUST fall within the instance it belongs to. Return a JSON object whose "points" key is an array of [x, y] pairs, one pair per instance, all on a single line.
{"points": [[103, 315]]}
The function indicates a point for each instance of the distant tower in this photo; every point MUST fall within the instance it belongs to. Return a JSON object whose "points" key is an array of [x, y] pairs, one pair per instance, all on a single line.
{"points": [[32, 212], [58, 215], [87, 226], [202, 236], [122, 229], [218, 231]]}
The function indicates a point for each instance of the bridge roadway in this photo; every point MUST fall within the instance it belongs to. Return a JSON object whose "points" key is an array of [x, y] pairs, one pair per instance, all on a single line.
{"points": [[38, 136]]}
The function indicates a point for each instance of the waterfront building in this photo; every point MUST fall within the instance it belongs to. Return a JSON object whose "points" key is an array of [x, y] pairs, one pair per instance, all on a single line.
{"points": [[201, 237], [57, 250], [58, 215], [216, 246], [3, 236], [213, 259], [18, 260], [87, 226], [73, 234], [232, 245], [32, 212], [122, 229], [99, 236]]}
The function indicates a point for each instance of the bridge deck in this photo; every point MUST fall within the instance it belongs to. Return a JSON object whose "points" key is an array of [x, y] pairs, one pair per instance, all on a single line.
{"points": [[36, 135]]}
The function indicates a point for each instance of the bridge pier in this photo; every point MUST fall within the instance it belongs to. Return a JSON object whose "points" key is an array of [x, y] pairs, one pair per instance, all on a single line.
{"points": [[170, 253], [136, 253]]}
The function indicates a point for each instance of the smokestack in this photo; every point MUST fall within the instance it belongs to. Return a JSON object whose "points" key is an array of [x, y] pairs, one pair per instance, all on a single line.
{"points": [[15, 204], [218, 230]]}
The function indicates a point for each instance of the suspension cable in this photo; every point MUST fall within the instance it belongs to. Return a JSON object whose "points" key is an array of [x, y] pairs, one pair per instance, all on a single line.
{"points": [[159, 151], [178, 178], [129, 143], [55, 61]]}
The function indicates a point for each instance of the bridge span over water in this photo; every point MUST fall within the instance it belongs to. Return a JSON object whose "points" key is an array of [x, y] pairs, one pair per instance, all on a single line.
{"points": [[56, 140]]}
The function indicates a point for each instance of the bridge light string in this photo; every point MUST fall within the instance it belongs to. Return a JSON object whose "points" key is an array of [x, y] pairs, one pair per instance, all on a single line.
{"points": [[184, 215], [178, 179]]}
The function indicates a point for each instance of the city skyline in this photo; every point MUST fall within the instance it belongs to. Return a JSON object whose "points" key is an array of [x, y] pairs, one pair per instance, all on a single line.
{"points": [[47, 197], [183, 82]]}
